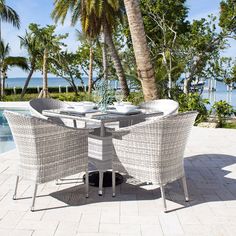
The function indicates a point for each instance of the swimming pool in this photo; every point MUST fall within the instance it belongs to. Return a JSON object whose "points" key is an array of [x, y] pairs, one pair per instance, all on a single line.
{"points": [[6, 140]]}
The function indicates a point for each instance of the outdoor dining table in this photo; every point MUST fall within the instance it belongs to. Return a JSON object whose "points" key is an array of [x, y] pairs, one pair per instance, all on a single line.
{"points": [[100, 141]]}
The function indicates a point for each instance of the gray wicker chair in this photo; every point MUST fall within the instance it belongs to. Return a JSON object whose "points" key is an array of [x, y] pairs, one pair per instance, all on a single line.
{"points": [[47, 151], [153, 151], [39, 104], [167, 106]]}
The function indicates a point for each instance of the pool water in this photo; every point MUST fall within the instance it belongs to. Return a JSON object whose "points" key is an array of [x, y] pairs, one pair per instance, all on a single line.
{"points": [[6, 139]]}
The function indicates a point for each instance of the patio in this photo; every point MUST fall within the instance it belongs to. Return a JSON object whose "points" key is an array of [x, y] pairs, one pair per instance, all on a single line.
{"points": [[210, 165]]}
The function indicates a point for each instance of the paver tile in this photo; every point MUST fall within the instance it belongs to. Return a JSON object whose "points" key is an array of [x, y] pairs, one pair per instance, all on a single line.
{"points": [[210, 165]]}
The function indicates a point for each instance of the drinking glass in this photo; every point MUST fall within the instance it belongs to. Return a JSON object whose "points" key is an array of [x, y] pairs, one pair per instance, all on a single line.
{"points": [[119, 95]]}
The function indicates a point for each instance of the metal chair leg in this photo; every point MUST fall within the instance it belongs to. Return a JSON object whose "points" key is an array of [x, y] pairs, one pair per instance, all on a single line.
{"points": [[34, 196], [100, 183], [163, 197], [113, 183], [185, 188], [87, 183], [16, 186]]}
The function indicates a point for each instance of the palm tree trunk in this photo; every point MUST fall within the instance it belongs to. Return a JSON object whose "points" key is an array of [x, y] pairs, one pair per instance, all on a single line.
{"points": [[116, 60], [90, 70], [104, 57], [4, 82], [44, 91], [27, 82], [0, 84], [144, 66]]}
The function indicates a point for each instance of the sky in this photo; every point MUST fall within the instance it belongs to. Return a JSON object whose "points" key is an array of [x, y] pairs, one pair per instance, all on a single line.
{"points": [[38, 11]]}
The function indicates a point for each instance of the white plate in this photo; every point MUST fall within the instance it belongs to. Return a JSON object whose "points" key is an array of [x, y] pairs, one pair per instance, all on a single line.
{"points": [[132, 112]]}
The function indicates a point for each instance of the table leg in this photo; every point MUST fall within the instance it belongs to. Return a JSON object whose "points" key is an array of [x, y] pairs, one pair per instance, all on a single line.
{"points": [[102, 131], [100, 183], [75, 124]]}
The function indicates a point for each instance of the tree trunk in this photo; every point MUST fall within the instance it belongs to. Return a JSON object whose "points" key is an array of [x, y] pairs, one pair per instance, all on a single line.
{"points": [[90, 70], [44, 91], [0, 85], [144, 66], [104, 57], [116, 60], [187, 84], [73, 85], [27, 82], [4, 76]]}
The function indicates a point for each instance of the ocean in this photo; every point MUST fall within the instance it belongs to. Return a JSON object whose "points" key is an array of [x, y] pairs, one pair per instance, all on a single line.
{"points": [[36, 81], [220, 93]]}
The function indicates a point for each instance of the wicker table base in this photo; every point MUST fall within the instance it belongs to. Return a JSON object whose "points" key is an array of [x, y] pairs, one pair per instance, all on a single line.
{"points": [[107, 179]]}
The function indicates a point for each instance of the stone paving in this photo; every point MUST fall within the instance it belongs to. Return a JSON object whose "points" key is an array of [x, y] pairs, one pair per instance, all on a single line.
{"points": [[210, 163]]}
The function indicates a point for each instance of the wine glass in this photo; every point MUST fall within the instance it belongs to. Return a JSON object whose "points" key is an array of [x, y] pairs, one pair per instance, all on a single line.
{"points": [[119, 95]]}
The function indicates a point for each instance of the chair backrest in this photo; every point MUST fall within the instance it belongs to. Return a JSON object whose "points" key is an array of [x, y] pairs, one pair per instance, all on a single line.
{"points": [[155, 148], [39, 104], [25, 129], [167, 106], [45, 147]]}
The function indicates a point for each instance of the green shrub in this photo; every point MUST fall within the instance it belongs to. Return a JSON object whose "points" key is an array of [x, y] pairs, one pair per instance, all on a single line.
{"points": [[194, 102], [82, 96], [222, 110], [136, 98]]}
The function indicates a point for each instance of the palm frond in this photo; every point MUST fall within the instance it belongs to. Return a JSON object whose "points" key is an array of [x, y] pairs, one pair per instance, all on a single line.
{"points": [[9, 15], [20, 62]]}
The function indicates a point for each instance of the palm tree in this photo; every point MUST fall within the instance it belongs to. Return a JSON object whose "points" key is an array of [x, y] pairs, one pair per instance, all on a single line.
{"points": [[7, 14], [96, 17], [144, 66], [7, 61], [29, 42], [48, 43]]}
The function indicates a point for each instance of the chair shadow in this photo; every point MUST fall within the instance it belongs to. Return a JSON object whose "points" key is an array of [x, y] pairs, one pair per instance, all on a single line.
{"points": [[210, 177]]}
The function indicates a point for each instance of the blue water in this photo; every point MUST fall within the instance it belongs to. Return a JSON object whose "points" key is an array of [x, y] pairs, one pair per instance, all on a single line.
{"points": [[220, 94], [6, 140], [34, 82]]}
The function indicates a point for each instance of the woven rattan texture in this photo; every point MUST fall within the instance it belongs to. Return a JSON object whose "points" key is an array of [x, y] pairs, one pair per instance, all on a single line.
{"points": [[153, 151], [48, 151]]}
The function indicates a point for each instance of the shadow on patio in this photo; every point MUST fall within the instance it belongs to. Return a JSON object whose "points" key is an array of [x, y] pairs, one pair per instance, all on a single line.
{"points": [[210, 178]]}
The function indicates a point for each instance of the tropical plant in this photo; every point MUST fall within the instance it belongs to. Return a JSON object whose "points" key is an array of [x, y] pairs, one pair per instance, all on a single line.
{"points": [[193, 102], [9, 15], [142, 55], [222, 110], [96, 17], [164, 23], [29, 42], [67, 66], [7, 61], [49, 45]]}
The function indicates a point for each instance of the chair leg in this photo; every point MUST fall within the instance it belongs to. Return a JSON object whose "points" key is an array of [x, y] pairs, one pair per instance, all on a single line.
{"points": [[16, 186], [34, 196], [87, 183], [100, 183], [163, 197], [185, 189], [113, 183]]}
